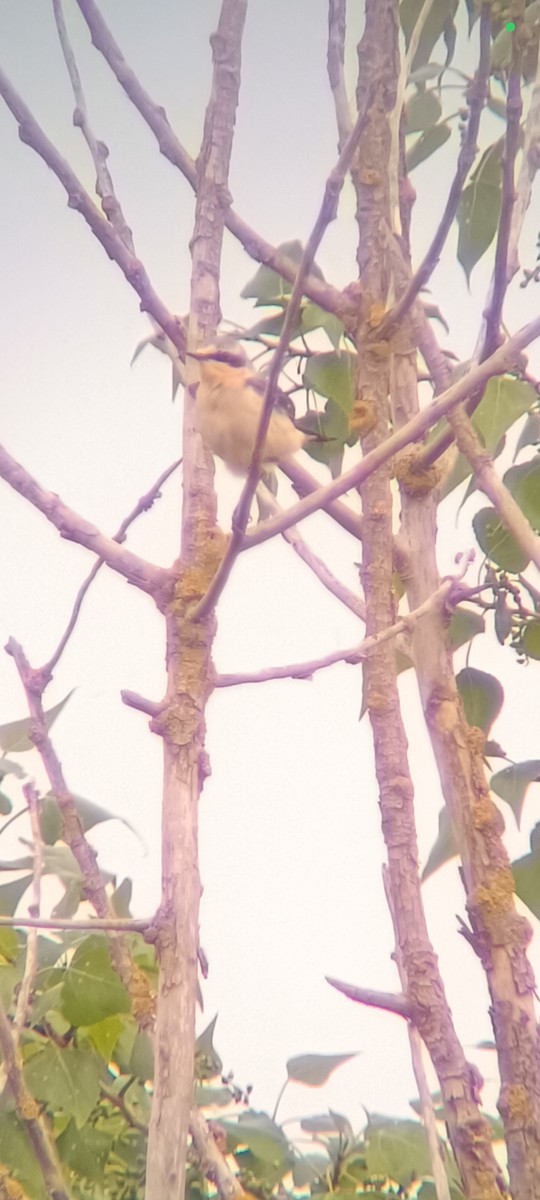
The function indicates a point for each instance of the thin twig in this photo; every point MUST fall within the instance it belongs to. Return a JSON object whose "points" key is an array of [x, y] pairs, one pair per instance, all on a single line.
{"points": [[499, 362], [33, 135], [327, 213], [31, 954], [29, 1114], [530, 162], [315, 564], [354, 654], [388, 1001], [104, 184], [212, 1162], [395, 115], [119, 1101], [154, 114], [335, 60], [476, 98], [70, 525], [493, 312], [106, 923], [415, 1041], [143, 505]]}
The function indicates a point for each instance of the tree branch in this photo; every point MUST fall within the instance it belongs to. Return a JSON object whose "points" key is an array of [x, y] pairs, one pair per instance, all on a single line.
{"points": [[501, 360], [31, 133], [262, 251], [144, 575], [388, 1001], [337, 18], [477, 98], [327, 213], [143, 505], [29, 1114], [354, 654]]}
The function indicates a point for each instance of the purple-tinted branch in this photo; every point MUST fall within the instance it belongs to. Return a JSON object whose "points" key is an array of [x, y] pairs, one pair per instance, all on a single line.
{"points": [[327, 213], [155, 116], [109, 924], [144, 575], [30, 1115], [499, 362], [354, 654], [335, 60], [104, 184], [33, 135], [143, 505], [393, 1002], [493, 313], [477, 98]]}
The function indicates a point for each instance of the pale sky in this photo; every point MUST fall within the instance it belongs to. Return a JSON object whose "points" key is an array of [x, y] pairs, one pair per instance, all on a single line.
{"points": [[290, 845]]}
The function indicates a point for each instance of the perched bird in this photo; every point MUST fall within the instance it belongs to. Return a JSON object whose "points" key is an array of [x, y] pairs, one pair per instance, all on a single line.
{"points": [[228, 408]]}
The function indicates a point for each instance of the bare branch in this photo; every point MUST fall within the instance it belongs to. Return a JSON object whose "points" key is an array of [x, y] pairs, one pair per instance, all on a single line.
{"points": [[388, 1001], [476, 98], [70, 525], [415, 1041], [104, 184], [104, 923], [304, 484], [327, 213], [529, 166], [143, 505], [500, 279], [395, 116], [337, 16], [488, 481], [213, 1163], [133, 700], [29, 1114], [319, 568], [354, 654], [31, 133], [500, 361], [31, 955], [262, 251]]}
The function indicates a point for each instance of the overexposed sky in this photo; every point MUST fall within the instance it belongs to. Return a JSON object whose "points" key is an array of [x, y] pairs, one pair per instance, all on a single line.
{"points": [[291, 849]]}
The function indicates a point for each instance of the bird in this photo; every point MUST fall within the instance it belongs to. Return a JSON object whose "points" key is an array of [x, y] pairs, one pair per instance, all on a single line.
{"points": [[228, 405]]}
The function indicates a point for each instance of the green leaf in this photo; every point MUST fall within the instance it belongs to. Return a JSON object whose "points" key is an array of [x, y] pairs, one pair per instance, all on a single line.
{"points": [[482, 696], [497, 543], [523, 482], [121, 899], [324, 1123], [530, 434], [65, 1078], [526, 872], [92, 990], [505, 400], [501, 50], [332, 375], [5, 804], [14, 737], [9, 944], [310, 1169], [264, 1138], [530, 638], [205, 1095], [437, 24], [16, 1153], [479, 208], [427, 144], [315, 317], [423, 111], [314, 1069], [90, 814], [85, 1153], [465, 624], [11, 893], [444, 847], [104, 1034], [513, 782], [207, 1060], [397, 1149], [267, 287]]}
